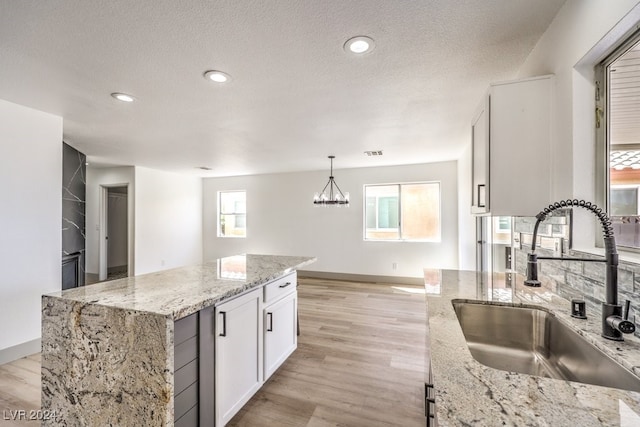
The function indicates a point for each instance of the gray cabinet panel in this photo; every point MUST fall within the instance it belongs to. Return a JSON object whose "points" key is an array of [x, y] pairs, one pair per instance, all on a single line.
{"points": [[185, 400], [185, 376], [190, 419], [185, 352], [185, 328], [207, 367]]}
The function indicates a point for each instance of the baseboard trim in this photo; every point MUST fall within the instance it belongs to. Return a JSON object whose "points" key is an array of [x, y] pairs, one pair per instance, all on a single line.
{"points": [[416, 281], [117, 268], [19, 351]]}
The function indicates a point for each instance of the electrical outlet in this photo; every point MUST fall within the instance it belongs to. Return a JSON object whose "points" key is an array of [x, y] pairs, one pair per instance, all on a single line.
{"points": [[162, 262], [394, 265]]}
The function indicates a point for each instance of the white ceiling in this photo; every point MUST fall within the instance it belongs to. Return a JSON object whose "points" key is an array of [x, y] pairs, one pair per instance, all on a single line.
{"points": [[295, 97]]}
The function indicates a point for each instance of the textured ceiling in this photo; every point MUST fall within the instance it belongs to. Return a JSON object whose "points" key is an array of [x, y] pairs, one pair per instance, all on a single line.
{"points": [[295, 95]]}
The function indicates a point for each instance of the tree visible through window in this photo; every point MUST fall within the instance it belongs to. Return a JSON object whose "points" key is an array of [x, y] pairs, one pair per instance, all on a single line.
{"points": [[402, 212], [232, 214]]}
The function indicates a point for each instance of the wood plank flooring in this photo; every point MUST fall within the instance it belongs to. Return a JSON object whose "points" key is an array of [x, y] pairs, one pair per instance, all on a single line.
{"points": [[359, 362], [20, 391]]}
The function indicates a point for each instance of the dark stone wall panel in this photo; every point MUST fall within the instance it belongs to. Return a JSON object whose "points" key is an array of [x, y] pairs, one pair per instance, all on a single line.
{"points": [[74, 187]]}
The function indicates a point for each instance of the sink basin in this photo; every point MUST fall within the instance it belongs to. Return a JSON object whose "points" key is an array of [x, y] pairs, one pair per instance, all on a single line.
{"points": [[534, 341]]}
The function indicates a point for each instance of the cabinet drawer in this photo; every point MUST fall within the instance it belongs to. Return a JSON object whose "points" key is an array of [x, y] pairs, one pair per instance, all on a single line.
{"points": [[280, 287]]}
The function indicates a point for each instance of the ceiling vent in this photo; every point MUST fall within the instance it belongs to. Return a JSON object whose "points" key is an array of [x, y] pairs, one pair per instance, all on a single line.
{"points": [[373, 153]]}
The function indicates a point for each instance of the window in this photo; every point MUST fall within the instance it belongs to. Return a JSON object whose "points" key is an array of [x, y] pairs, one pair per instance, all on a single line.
{"points": [[624, 200], [408, 212], [232, 214], [618, 132]]}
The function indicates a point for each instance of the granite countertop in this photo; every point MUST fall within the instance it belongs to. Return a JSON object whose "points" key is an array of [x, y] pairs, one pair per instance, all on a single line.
{"points": [[178, 292], [469, 393]]}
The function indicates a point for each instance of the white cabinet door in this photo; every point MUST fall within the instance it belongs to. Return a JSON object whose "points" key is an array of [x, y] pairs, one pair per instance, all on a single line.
{"points": [[512, 139], [521, 138], [238, 352], [280, 336], [480, 159]]}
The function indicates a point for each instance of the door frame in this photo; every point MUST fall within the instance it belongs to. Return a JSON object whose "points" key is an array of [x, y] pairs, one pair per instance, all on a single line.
{"points": [[103, 248]]}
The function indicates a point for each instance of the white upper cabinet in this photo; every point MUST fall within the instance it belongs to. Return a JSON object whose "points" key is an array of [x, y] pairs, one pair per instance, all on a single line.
{"points": [[511, 148]]}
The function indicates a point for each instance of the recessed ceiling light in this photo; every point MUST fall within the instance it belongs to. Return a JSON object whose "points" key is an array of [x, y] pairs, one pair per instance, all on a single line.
{"points": [[359, 45], [217, 76], [123, 97]]}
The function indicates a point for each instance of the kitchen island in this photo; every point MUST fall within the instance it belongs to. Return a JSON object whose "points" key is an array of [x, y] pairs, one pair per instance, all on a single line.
{"points": [[115, 353], [470, 393]]}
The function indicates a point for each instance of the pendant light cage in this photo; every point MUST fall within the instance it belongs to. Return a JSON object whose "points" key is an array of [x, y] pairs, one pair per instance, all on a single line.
{"points": [[331, 194]]}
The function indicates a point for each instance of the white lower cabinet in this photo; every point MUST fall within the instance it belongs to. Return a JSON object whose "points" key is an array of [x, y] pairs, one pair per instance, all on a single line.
{"points": [[254, 334], [280, 336], [238, 349]]}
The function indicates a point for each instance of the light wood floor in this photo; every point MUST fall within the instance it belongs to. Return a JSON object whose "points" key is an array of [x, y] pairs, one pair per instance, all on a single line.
{"points": [[20, 391], [359, 362]]}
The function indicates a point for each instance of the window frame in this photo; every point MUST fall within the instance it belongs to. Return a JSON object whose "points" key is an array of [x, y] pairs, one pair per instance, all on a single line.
{"points": [[603, 112], [602, 125], [436, 239], [235, 213]]}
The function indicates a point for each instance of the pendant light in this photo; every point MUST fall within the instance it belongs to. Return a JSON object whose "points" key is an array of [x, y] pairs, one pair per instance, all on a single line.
{"points": [[334, 196]]}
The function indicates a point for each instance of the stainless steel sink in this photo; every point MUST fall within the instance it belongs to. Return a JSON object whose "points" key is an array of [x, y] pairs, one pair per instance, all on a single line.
{"points": [[535, 342]]}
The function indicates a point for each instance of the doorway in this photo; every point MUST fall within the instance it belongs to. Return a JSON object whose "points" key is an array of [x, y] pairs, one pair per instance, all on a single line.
{"points": [[114, 235]]}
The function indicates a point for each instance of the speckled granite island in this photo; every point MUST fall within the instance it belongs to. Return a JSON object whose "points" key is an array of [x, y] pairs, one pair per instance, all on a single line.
{"points": [[108, 349], [468, 393]]}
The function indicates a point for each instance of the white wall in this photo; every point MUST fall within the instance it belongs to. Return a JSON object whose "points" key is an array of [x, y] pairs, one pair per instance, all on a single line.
{"points": [[168, 220], [31, 218], [579, 26], [282, 220], [466, 221], [109, 177]]}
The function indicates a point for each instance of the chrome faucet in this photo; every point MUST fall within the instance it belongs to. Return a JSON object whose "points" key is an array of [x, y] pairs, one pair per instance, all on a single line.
{"points": [[613, 324]]}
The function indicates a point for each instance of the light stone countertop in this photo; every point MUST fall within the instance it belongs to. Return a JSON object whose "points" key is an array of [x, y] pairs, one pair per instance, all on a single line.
{"points": [[108, 348], [471, 394], [179, 292]]}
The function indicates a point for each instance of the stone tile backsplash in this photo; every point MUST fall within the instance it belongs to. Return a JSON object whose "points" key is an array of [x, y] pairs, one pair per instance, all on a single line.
{"points": [[575, 279]]}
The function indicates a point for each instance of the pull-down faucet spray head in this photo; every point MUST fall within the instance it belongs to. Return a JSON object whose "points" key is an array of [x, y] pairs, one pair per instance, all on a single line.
{"points": [[613, 323], [532, 271], [532, 258]]}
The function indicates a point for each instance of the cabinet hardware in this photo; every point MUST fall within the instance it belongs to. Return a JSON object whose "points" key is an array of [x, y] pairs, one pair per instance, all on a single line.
{"points": [[430, 409], [426, 403], [224, 323], [429, 403], [285, 285], [481, 192], [270, 322]]}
